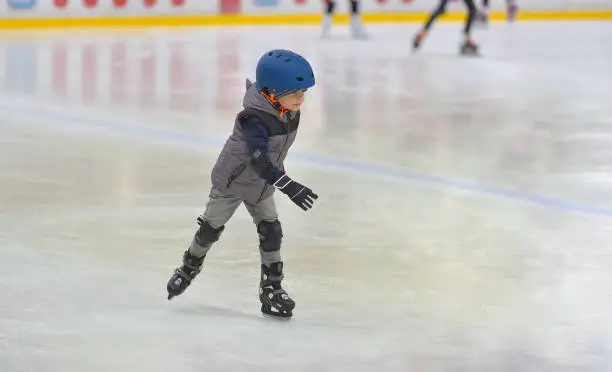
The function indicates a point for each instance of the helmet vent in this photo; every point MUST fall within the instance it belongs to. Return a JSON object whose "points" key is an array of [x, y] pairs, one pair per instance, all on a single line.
{"points": [[299, 78]]}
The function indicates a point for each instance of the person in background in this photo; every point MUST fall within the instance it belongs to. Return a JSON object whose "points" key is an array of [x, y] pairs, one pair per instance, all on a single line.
{"points": [[356, 25], [468, 46], [511, 8]]}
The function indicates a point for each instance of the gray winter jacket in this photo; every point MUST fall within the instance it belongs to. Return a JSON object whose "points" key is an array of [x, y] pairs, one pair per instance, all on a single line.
{"points": [[233, 173]]}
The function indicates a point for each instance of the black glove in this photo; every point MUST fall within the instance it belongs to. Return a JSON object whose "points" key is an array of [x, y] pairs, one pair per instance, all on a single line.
{"points": [[298, 193]]}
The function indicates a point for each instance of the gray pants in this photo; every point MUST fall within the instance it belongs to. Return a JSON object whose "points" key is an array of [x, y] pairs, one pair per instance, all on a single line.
{"points": [[221, 207]]}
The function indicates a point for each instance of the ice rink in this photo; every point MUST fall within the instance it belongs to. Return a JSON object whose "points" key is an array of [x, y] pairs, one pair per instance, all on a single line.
{"points": [[463, 224]]}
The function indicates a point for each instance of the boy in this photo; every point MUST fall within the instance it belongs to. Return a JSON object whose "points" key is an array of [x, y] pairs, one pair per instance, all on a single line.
{"points": [[469, 46], [355, 20], [249, 169]]}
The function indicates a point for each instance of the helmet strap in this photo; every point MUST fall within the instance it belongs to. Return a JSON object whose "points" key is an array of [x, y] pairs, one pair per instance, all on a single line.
{"points": [[272, 99]]}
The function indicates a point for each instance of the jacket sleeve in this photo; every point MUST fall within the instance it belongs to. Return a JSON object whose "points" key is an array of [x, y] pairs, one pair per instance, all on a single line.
{"points": [[256, 136]]}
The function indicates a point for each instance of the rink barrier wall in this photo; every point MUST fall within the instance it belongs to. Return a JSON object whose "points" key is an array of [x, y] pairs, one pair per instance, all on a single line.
{"points": [[284, 19]]}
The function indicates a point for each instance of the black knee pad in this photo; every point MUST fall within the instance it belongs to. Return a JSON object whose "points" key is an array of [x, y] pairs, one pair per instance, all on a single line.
{"points": [[331, 5], [206, 234], [270, 235], [354, 7]]}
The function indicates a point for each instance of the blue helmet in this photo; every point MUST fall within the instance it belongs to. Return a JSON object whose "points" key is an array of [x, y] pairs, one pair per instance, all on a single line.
{"points": [[282, 72]]}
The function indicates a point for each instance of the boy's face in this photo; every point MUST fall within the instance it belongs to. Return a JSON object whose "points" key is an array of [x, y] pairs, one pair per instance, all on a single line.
{"points": [[293, 101]]}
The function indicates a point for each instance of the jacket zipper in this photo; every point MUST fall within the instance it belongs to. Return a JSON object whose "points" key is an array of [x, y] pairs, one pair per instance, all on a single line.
{"points": [[263, 191], [235, 174]]}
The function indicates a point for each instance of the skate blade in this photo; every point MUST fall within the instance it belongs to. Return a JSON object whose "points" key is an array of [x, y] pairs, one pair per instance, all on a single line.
{"points": [[172, 295], [284, 317], [279, 315]]}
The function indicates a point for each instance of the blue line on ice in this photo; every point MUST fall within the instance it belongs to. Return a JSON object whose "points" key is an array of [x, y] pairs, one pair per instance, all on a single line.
{"points": [[322, 161]]}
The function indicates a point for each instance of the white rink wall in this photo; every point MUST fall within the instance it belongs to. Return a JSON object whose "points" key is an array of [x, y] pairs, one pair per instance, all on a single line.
{"points": [[97, 8], [28, 9], [389, 6]]}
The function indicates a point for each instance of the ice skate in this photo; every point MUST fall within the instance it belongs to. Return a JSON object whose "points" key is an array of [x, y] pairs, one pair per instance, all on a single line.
{"points": [[418, 40], [184, 275], [469, 48], [193, 258], [274, 299], [357, 29]]}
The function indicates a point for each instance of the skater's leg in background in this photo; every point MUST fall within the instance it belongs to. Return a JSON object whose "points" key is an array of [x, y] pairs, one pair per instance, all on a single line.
{"points": [[483, 14], [356, 26], [469, 20], [469, 46], [328, 16], [440, 9], [512, 9], [354, 7]]}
